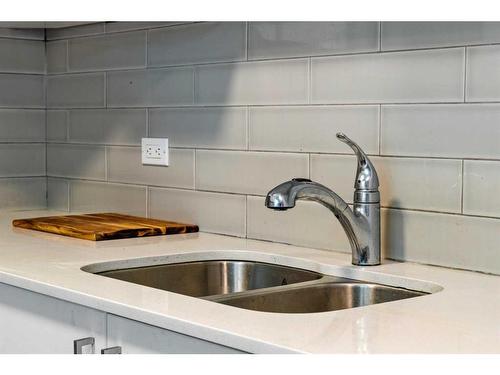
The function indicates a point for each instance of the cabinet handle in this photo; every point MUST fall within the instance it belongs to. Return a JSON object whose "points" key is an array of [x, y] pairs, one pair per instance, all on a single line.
{"points": [[112, 350], [80, 343]]}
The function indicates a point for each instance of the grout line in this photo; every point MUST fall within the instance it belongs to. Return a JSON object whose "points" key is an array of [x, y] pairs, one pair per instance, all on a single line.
{"points": [[465, 73], [379, 129], [148, 206], [309, 81], [462, 189], [146, 50], [380, 36], [105, 90], [106, 163], [194, 168], [148, 131], [246, 217], [246, 40], [69, 190], [274, 105], [247, 128]]}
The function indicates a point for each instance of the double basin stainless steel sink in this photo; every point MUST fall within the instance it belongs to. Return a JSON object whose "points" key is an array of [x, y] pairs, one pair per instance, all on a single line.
{"points": [[261, 286]]}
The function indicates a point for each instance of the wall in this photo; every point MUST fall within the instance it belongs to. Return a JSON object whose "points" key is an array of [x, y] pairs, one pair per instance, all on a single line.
{"points": [[22, 119], [249, 105]]}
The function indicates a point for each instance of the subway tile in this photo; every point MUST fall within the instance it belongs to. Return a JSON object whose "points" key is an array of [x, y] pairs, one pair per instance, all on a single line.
{"points": [[482, 188], [483, 74], [247, 172], [112, 27], [155, 87], [426, 184], [292, 39], [263, 82], [22, 125], [209, 127], [107, 126], [57, 56], [117, 51], [396, 77], [413, 35], [22, 91], [87, 196], [308, 224], [76, 90], [440, 239], [313, 129], [75, 31], [21, 159], [34, 34], [57, 126], [212, 212], [124, 165], [441, 130], [77, 161], [22, 56], [23, 193], [57, 194], [197, 43]]}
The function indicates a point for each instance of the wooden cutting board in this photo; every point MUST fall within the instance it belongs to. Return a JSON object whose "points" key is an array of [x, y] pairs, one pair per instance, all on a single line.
{"points": [[104, 226]]}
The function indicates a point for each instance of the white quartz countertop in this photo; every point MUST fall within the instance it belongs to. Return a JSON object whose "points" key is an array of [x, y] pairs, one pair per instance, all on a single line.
{"points": [[460, 316]]}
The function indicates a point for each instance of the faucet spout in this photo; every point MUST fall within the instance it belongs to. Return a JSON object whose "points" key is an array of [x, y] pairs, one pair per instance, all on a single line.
{"points": [[361, 224]]}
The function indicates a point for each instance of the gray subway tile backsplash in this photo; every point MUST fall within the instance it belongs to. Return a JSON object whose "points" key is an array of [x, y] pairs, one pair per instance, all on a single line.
{"points": [[247, 172], [76, 90], [208, 127], [22, 56], [57, 56], [313, 128], [292, 39], [124, 165], [414, 35], [441, 130], [393, 77], [483, 74], [196, 44], [75, 31], [150, 88], [89, 196], [249, 105], [212, 212], [22, 125], [57, 194], [412, 183], [76, 161], [263, 82], [21, 91], [107, 52], [482, 187], [27, 193], [22, 159], [57, 127], [107, 126]]}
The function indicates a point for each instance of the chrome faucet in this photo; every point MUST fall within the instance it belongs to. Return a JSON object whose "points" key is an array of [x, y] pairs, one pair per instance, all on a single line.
{"points": [[362, 224]]}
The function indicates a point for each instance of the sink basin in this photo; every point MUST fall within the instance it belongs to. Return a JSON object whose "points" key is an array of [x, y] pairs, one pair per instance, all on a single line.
{"points": [[260, 286], [207, 278], [320, 297]]}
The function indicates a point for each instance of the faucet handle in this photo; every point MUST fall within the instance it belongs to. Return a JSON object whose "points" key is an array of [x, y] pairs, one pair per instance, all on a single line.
{"points": [[366, 175]]}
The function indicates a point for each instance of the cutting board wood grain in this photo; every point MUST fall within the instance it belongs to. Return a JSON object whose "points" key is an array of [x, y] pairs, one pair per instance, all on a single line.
{"points": [[104, 226]]}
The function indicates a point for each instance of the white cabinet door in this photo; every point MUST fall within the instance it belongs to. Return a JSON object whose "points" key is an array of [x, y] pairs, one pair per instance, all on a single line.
{"points": [[138, 338], [34, 323]]}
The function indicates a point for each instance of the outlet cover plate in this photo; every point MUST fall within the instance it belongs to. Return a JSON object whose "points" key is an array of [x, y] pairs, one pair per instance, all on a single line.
{"points": [[155, 151]]}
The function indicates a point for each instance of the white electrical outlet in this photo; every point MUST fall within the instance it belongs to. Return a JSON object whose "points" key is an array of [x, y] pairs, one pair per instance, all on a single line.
{"points": [[155, 151]]}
